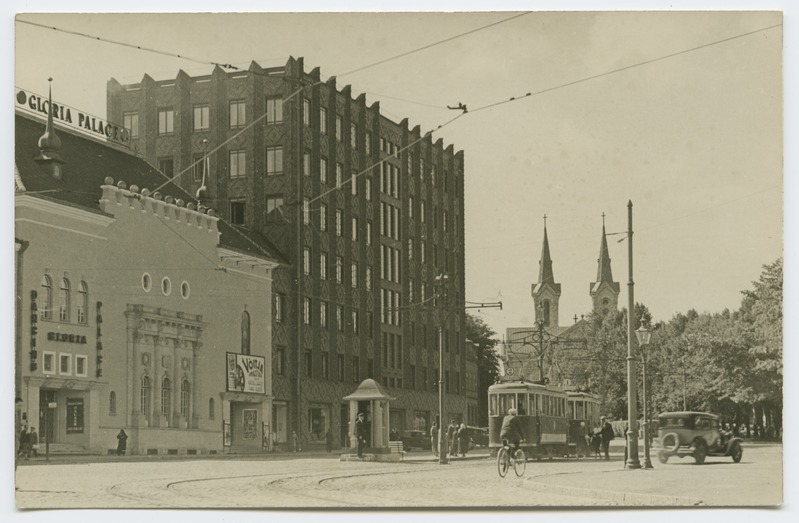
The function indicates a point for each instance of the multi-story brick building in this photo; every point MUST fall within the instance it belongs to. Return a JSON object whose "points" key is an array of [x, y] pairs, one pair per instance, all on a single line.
{"points": [[367, 210]]}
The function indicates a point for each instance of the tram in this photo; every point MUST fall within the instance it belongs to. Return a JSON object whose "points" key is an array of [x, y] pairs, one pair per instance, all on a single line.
{"points": [[549, 415]]}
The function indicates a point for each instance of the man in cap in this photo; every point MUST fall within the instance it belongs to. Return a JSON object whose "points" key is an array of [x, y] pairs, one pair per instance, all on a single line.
{"points": [[607, 436], [512, 430], [360, 433]]}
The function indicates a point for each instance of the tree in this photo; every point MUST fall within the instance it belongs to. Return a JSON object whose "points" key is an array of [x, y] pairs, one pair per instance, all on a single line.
{"points": [[482, 337]]}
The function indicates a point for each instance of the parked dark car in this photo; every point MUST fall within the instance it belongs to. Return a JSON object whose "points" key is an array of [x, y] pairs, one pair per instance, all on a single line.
{"points": [[479, 436], [415, 439], [696, 434]]}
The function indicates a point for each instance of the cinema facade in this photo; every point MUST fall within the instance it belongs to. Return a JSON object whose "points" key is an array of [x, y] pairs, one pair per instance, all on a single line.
{"points": [[137, 308]]}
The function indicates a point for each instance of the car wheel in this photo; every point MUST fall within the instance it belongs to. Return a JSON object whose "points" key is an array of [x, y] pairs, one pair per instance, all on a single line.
{"points": [[700, 452], [670, 442], [736, 452], [663, 457]]}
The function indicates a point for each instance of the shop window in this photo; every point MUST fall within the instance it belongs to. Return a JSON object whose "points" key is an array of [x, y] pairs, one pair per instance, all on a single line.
{"points": [[318, 421]]}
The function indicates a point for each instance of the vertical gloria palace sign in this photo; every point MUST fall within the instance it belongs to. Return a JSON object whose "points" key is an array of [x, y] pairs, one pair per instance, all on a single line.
{"points": [[38, 104], [245, 373]]}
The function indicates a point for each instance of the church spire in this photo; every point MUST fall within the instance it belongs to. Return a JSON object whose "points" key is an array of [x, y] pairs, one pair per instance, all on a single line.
{"points": [[545, 274], [603, 272], [604, 291]]}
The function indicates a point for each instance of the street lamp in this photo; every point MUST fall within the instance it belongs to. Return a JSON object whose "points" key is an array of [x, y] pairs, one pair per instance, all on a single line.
{"points": [[644, 335], [632, 364], [441, 282]]}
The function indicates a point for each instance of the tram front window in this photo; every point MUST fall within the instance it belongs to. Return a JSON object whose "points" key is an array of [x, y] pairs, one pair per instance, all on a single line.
{"points": [[524, 404]]}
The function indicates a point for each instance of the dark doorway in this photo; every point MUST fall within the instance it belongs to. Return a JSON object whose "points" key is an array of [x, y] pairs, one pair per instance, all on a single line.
{"points": [[46, 427]]}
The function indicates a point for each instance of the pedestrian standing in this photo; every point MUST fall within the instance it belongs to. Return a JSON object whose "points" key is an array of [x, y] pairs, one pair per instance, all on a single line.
{"points": [[463, 440], [295, 441], [607, 436], [360, 433], [434, 438], [582, 442], [122, 442], [23, 443], [329, 440], [452, 432], [33, 442]]}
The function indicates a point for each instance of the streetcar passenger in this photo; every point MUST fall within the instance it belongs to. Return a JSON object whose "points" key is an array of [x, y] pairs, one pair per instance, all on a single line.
{"points": [[512, 430]]}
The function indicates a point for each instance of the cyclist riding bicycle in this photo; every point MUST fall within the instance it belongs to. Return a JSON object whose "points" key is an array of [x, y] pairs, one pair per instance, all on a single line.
{"points": [[512, 430]]}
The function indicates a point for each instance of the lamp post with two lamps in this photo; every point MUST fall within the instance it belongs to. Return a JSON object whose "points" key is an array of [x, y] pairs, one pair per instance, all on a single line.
{"points": [[644, 335]]}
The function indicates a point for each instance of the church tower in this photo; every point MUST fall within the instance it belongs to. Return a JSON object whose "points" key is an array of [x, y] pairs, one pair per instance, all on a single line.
{"points": [[604, 291], [546, 293]]}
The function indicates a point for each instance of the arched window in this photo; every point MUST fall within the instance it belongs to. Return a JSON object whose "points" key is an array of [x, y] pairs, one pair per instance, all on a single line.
{"points": [[166, 397], [63, 301], [47, 298], [245, 332], [112, 403], [146, 387], [211, 408], [184, 399], [546, 312], [83, 302]]}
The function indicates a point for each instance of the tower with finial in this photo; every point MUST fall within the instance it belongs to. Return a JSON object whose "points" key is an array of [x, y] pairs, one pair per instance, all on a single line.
{"points": [[50, 144], [546, 293], [604, 291]]}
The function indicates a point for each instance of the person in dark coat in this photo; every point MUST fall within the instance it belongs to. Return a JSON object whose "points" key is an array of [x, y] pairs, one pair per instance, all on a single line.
{"points": [[607, 436], [33, 442], [360, 433], [23, 443], [464, 439], [452, 440], [329, 440], [434, 438], [122, 442], [512, 431]]}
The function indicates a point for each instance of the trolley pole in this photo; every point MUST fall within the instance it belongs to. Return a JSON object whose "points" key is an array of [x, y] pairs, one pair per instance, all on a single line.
{"points": [[632, 364], [441, 281]]}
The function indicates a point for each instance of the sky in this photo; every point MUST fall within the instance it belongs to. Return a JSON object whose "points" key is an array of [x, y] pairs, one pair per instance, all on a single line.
{"points": [[693, 137]]}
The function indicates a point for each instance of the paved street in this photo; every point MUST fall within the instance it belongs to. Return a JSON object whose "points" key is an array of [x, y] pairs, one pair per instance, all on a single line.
{"points": [[322, 481]]}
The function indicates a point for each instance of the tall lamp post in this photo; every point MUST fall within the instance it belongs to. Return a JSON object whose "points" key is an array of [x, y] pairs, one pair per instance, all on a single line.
{"points": [[632, 364], [441, 282], [644, 335]]}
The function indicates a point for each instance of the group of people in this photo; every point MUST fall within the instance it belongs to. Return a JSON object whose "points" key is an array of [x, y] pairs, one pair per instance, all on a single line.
{"points": [[28, 443], [457, 439]]}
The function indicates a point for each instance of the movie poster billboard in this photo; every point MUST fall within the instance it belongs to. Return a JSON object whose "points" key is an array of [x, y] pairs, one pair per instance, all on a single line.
{"points": [[245, 373]]}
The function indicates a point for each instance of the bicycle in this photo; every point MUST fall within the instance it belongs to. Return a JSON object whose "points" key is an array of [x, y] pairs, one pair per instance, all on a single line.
{"points": [[505, 459]]}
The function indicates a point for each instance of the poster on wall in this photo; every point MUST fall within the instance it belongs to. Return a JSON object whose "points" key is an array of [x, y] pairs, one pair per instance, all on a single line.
{"points": [[250, 422], [74, 415], [245, 373]]}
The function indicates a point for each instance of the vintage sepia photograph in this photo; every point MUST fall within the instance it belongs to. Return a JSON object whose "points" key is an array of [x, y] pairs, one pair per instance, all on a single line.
{"points": [[444, 257]]}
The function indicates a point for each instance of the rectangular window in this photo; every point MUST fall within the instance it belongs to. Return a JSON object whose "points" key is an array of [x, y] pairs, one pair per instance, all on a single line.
{"points": [[64, 363], [201, 117], [410, 207], [422, 252], [367, 142], [413, 377], [325, 371], [340, 318], [370, 323], [81, 366], [306, 211], [48, 362], [323, 266], [306, 260], [444, 221], [323, 170], [274, 160], [306, 163], [354, 229], [279, 307], [421, 211], [130, 121], [339, 224], [354, 275], [323, 217], [339, 268], [354, 321], [354, 136], [340, 359], [368, 232], [166, 121], [280, 361], [368, 278], [339, 175], [306, 112], [238, 163], [274, 110], [339, 128], [396, 265], [323, 120], [382, 144], [274, 209], [306, 311], [308, 364], [237, 212], [237, 114], [167, 166], [198, 166], [356, 369], [323, 314]]}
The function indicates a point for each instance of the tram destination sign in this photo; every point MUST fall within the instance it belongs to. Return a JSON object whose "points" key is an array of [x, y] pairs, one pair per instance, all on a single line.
{"points": [[245, 373]]}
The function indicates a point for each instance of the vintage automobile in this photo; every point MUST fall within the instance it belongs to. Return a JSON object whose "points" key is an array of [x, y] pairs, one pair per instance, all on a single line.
{"points": [[415, 439], [696, 434], [479, 436]]}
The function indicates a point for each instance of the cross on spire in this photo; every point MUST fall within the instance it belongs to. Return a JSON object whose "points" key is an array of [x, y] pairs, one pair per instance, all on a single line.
{"points": [[545, 221], [603, 220]]}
